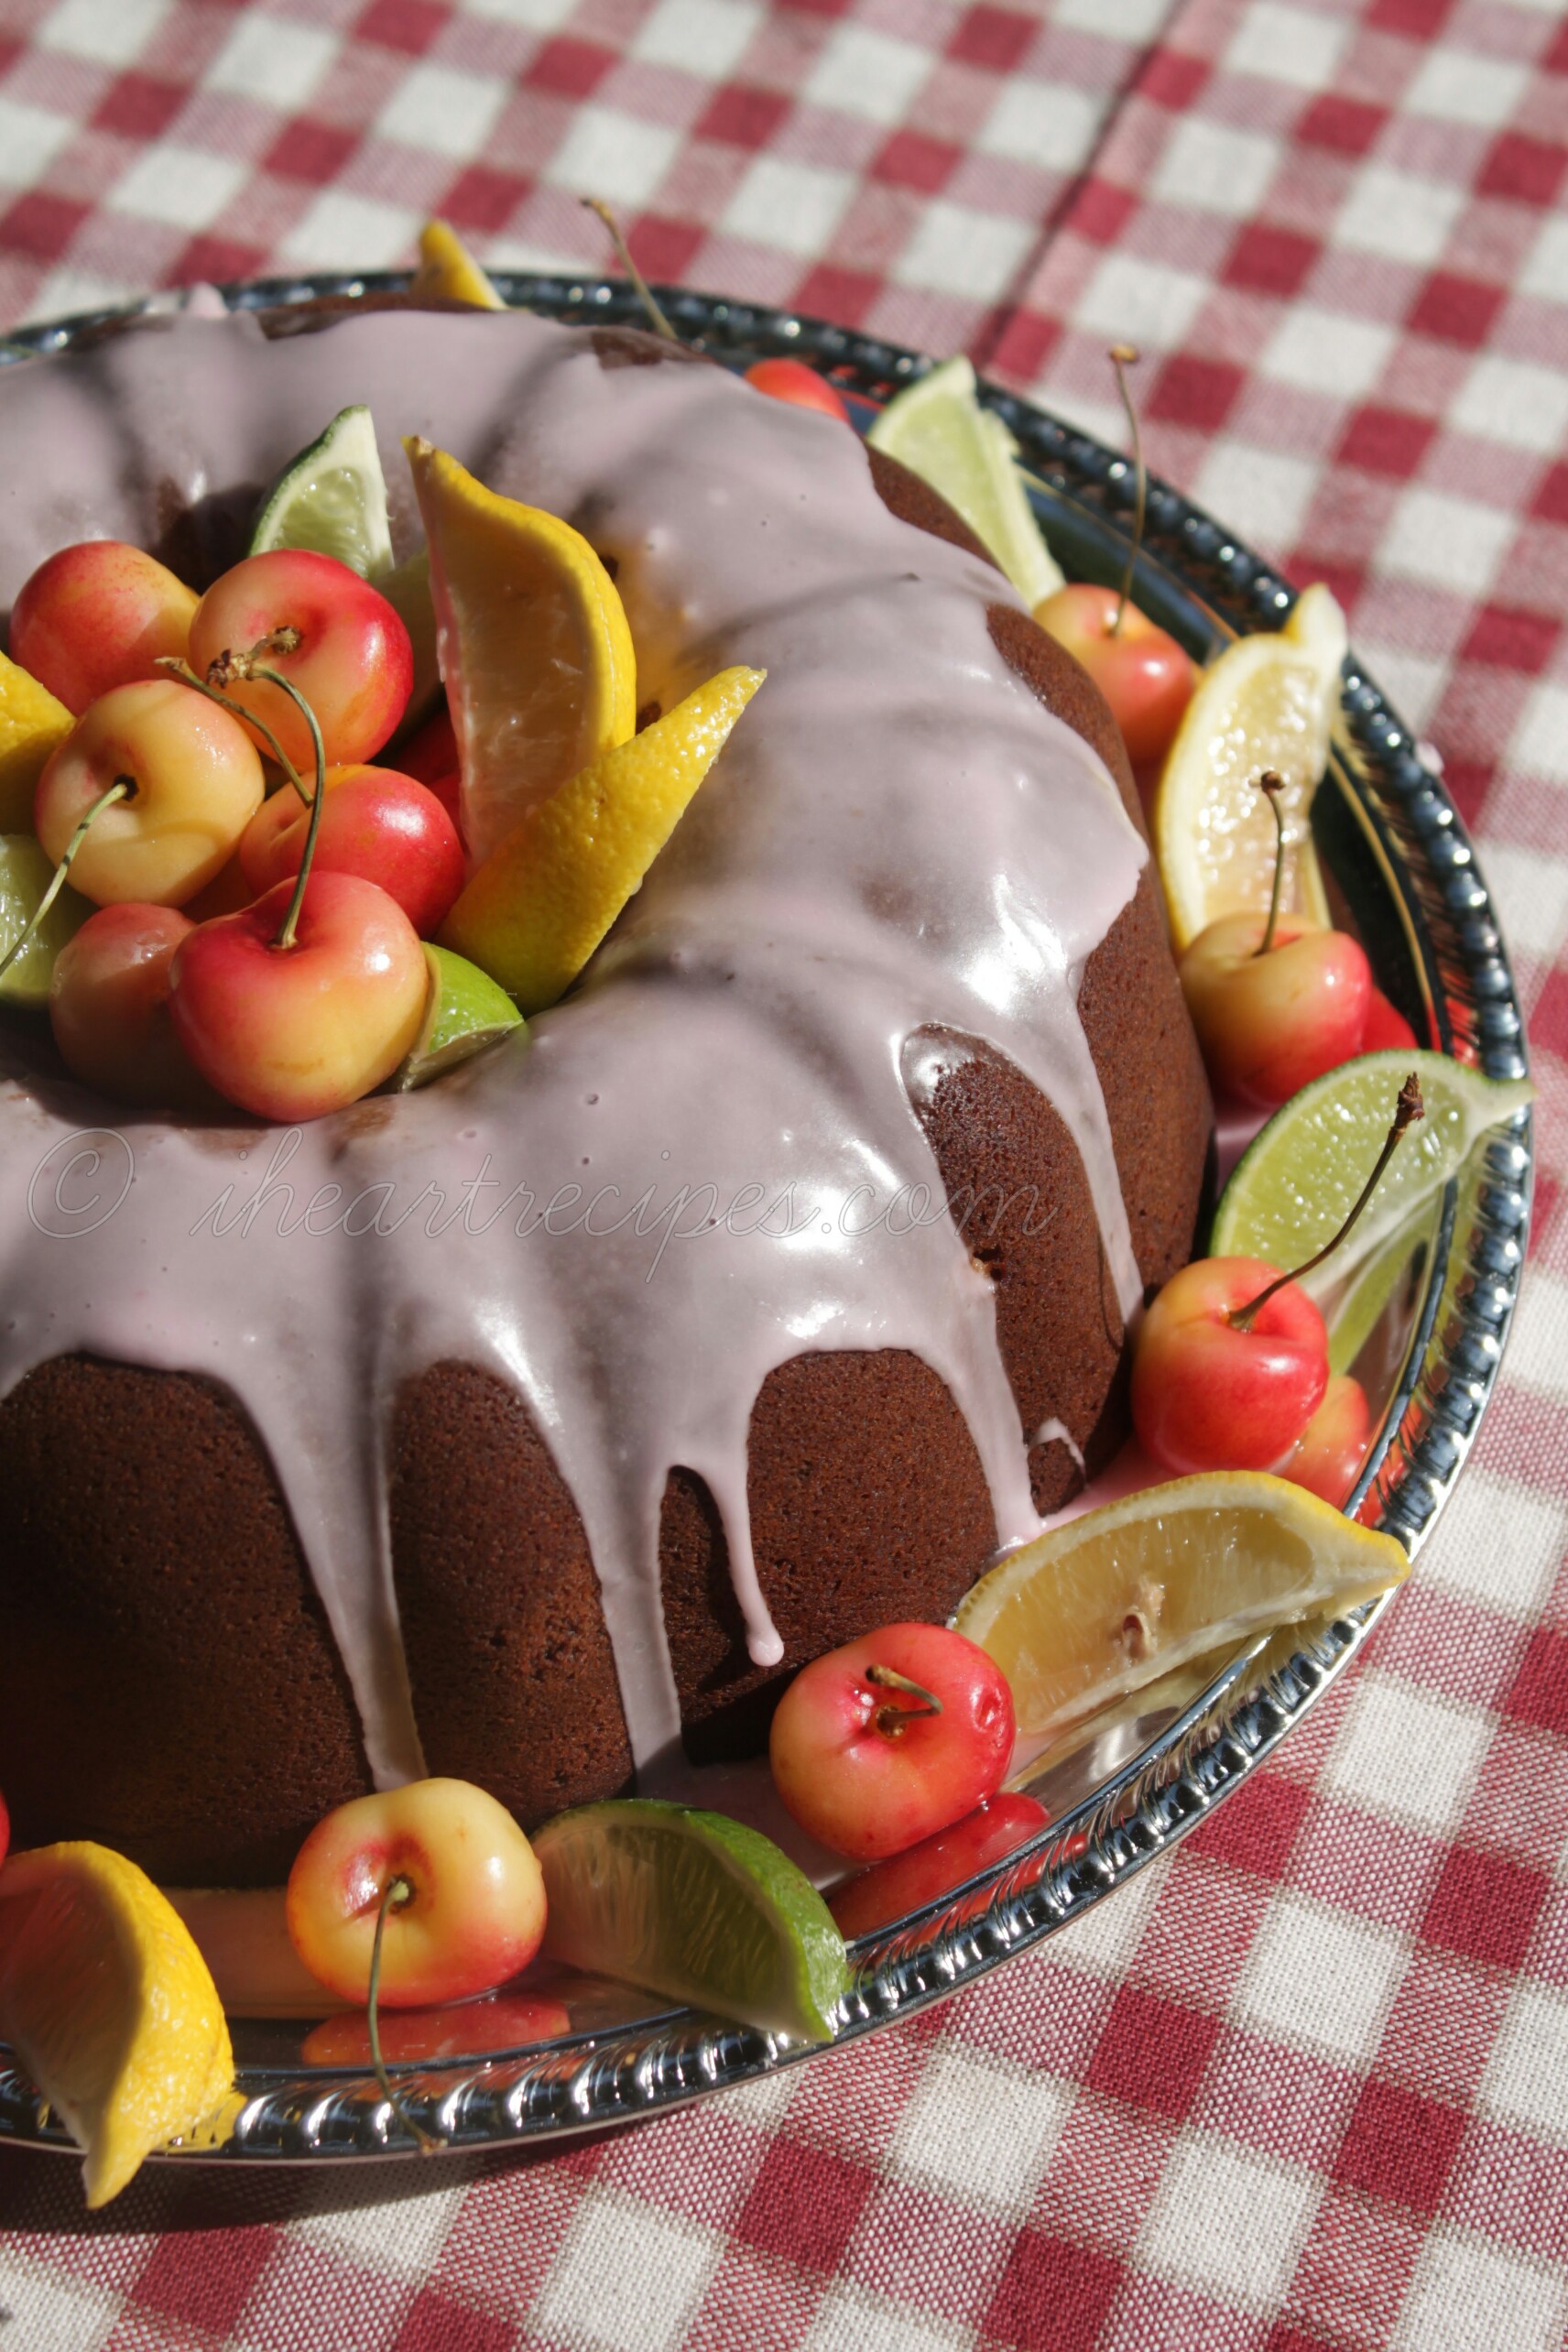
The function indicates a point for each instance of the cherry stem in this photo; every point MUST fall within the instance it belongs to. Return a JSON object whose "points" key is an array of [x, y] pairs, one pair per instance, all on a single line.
{"points": [[890, 1719], [122, 789], [640, 285], [395, 1894], [1271, 785], [187, 677], [1123, 356], [1409, 1108], [220, 673]]}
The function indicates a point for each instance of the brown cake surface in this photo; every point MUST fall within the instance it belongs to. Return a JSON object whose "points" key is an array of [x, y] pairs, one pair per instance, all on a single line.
{"points": [[177, 1691]]}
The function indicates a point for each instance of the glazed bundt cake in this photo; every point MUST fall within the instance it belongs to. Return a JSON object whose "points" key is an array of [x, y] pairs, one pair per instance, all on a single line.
{"points": [[534, 1427]]}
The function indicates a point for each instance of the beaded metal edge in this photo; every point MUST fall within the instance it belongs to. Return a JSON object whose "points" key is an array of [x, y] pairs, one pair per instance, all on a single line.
{"points": [[1414, 832]]}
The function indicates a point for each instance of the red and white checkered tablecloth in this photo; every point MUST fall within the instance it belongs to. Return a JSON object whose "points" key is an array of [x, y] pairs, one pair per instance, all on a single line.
{"points": [[1306, 2082]]}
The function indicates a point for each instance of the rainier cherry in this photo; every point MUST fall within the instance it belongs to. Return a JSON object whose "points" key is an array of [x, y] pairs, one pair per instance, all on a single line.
{"points": [[109, 1007], [890, 1738], [330, 633], [793, 380], [376, 823], [1327, 1456], [97, 615], [1386, 1027], [1275, 1003], [1138, 667], [1231, 1360]]}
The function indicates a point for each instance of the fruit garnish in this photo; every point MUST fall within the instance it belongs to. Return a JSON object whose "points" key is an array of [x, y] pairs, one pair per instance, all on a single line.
{"points": [[640, 285], [406, 588], [466, 1012], [937, 428], [1121, 1596], [332, 497], [535, 648], [539, 904], [890, 1738], [1330, 1451], [26, 873], [448, 271], [792, 381], [33, 724], [696, 1908], [98, 615], [1267, 702], [109, 2005], [109, 1007], [1298, 1178], [377, 822]]}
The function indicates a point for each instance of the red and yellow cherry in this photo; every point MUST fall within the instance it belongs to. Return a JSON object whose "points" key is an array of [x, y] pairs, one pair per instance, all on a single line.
{"points": [[290, 1032], [1385, 1027], [1210, 1393], [1327, 1456], [109, 1007], [463, 1894], [885, 1741], [793, 380], [1270, 1020], [426, 2036], [924, 1873], [97, 615], [1140, 669], [195, 783], [335, 637], [429, 757], [376, 823]]}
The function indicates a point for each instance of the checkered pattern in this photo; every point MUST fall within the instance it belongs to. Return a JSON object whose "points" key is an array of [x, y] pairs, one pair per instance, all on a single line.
{"points": [[1305, 2084]]}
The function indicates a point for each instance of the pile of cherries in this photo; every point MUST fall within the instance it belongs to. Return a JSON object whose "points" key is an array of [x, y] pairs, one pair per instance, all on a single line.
{"points": [[263, 948]]}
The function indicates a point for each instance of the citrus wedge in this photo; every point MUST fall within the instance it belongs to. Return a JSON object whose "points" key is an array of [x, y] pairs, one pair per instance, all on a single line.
{"points": [[466, 1012], [109, 2006], [534, 913], [1126, 1594], [332, 498], [937, 428], [448, 271], [32, 723], [1295, 1183], [534, 646], [695, 1906], [24, 875], [1268, 701]]}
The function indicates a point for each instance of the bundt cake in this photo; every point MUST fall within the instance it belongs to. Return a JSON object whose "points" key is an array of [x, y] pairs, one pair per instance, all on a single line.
{"points": [[537, 1425]]}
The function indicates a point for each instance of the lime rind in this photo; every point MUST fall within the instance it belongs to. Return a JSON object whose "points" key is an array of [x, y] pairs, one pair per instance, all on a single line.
{"points": [[465, 1012], [694, 1907], [1295, 1183], [937, 428], [25, 873], [331, 499]]}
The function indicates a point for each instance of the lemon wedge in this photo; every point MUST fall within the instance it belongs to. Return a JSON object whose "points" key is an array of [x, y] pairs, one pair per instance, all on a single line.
{"points": [[32, 723], [109, 2005], [1268, 701], [937, 428], [535, 648], [537, 909], [1126, 1594], [448, 271]]}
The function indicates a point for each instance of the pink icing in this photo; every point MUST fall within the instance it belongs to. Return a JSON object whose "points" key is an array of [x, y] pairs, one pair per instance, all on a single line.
{"points": [[898, 849]]}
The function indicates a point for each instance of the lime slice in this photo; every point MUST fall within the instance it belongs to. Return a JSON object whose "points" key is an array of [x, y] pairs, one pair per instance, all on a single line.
{"points": [[1295, 1183], [695, 1906], [406, 588], [24, 875], [332, 498], [466, 1012], [937, 428], [1124, 1596]]}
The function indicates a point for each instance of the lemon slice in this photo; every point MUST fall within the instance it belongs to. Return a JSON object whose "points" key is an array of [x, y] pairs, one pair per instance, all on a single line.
{"points": [[32, 724], [466, 1012], [1294, 1185], [696, 1907], [448, 271], [534, 646], [332, 498], [534, 913], [1126, 1594], [1268, 701], [109, 2006], [937, 428], [25, 873]]}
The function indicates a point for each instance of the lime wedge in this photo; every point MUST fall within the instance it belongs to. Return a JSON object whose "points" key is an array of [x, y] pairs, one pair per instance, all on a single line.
{"points": [[937, 428], [332, 498], [1294, 1184], [467, 1011], [406, 588], [695, 1906], [25, 875]]}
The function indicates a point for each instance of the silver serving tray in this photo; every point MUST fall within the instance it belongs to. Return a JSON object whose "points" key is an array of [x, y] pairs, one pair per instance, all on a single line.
{"points": [[1404, 873]]}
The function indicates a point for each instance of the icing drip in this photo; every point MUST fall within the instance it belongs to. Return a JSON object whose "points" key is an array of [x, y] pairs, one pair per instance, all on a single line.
{"points": [[710, 1159]]}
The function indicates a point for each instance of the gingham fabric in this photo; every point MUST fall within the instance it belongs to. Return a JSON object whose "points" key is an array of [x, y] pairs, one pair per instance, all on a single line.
{"points": [[1306, 2082]]}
